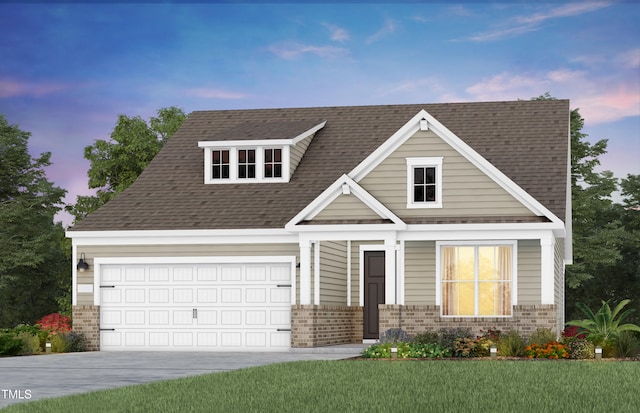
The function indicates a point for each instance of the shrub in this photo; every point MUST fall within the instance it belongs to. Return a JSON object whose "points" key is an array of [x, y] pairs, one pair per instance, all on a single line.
{"points": [[30, 343], [511, 344], [405, 350], [428, 350], [10, 345], [77, 342], [428, 337], [395, 335], [581, 348], [627, 345], [59, 343], [36, 330], [465, 347], [551, 350], [55, 323], [448, 336], [605, 324], [542, 336]]}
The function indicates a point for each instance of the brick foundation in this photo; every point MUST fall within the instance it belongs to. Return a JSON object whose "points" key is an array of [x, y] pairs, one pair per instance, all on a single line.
{"points": [[323, 325], [419, 318], [86, 320]]}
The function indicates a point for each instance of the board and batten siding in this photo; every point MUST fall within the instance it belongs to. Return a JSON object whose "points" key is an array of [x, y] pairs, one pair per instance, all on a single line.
{"points": [[333, 273], [529, 276], [420, 273], [466, 191], [209, 250], [346, 207]]}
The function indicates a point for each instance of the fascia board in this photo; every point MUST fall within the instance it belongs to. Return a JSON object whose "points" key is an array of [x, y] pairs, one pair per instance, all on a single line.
{"points": [[165, 237], [461, 232], [349, 228], [261, 142], [308, 133], [331, 193]]}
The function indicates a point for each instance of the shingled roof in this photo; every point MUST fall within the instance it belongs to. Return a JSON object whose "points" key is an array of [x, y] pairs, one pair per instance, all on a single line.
{"points": [[526, 140]]}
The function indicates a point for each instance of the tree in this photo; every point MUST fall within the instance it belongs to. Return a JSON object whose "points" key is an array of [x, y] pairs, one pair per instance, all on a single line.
{"points": [[116, 164], [34, 271]]}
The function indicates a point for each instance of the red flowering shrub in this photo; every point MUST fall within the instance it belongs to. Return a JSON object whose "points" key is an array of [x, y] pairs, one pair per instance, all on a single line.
{"points": [[55, 323], [572, 332], [551, 350]]}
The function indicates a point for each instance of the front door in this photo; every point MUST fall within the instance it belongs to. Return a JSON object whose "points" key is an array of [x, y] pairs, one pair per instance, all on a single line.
{"points": [[373, 292]]}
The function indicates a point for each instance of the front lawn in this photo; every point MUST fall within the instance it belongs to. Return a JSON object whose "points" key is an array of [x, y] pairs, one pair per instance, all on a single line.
{"points": [[378, 386]]}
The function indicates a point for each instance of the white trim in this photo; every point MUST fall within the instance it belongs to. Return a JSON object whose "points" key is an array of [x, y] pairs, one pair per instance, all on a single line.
{"points": [[547, 270], [390, 279], [259, 165], [85, 288], [74, 274], [400, 273], [348, 273], [98, 262], [428, 162], [329, 195], [305, 272], [514, 272], [316, 273]]}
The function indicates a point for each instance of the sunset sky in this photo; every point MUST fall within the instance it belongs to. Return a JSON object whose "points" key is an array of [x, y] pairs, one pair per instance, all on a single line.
{"points": [[68, 69]]}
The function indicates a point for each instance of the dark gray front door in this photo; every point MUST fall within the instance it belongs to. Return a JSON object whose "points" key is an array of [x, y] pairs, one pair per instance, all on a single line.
{"points": [[373, 292]]}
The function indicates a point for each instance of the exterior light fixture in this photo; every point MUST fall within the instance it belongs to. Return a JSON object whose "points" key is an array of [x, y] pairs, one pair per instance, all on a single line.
{"points": [[394, 352], [82, 264], [48, 346], [598, 353], [493, 351]]}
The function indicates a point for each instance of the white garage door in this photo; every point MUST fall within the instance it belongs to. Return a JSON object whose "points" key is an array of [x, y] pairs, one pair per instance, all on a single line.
{"points": [[224, 307]]}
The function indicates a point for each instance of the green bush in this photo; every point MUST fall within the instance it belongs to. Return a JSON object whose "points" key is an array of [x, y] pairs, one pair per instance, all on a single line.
{"points": [[542, 336], [447, 337], [36, 330], [30, 343], [59, 343], [405, 350], [511, 344], [581, 348], [627, 345], [10, 345], [77, 342], [427, 337]]}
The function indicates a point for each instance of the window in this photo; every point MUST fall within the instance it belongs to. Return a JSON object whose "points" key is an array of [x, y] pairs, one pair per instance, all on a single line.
{"points": [[220, 164], [246, 163], [477, 280], [424, 182], [273, 163]]}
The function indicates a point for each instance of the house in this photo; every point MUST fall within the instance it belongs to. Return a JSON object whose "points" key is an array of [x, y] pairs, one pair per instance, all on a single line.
{"points": [[272, 229]]}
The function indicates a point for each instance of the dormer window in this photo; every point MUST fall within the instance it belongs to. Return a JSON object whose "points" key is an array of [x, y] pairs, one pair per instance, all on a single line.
{"points": [[220, 164], [252, 152], [246, 163], [273, 163]]}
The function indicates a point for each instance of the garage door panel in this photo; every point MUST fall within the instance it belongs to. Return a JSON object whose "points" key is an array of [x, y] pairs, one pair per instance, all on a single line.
{"points": [[224, 307]]}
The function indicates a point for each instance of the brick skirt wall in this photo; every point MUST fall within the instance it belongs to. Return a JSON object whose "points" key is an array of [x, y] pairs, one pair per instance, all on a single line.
{"points": [[325, 325], [419, 318], [86, 320]]}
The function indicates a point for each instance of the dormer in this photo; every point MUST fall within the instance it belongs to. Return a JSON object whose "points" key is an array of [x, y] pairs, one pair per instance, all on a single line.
{"points": [[257, 151]]}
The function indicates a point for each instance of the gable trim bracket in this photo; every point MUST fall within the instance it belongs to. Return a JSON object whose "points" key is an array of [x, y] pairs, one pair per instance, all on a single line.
{"points": [[344, 186], [424, 121]]}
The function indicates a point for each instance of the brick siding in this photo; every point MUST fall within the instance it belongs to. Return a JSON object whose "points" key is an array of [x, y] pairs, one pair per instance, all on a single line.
{"points": [[86, 320], [324, 325], [419, 318]]}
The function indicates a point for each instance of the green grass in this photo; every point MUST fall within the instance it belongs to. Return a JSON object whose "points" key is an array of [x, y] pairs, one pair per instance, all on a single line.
{"points": [[378, 386]]}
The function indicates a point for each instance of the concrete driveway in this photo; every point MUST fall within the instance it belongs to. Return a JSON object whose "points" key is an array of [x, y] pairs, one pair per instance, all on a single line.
{"points": [[54, 375]]}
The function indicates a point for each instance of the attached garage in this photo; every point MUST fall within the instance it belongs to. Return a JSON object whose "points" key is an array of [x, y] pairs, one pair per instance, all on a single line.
{"points": [[199, 304]]}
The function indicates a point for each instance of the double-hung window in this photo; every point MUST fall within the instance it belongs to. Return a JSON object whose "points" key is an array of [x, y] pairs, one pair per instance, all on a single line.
{"points": [[477, 280], [424, 182]]}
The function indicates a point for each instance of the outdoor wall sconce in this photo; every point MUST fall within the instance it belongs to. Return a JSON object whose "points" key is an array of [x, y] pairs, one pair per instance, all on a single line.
{"points": [[493, 351], [82, 264], [598, 353]]}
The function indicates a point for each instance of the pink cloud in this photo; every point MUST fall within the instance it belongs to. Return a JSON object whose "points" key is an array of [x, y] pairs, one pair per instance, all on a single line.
{"points": [[295, 50], [215, 94], [12, 88]]}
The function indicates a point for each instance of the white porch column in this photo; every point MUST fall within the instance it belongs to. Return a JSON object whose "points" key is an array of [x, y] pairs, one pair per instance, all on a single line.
{"points": [[547, 269], [316, 273], [305, 272], [390, 271]]}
